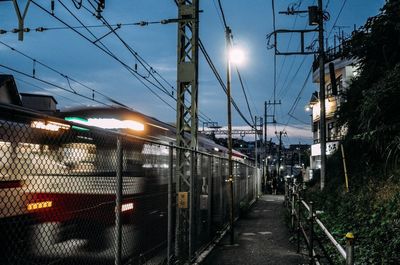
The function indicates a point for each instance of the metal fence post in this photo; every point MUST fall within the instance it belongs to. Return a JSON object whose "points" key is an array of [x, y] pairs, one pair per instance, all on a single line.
{"points": [[349, 249], [170, 182], [210, 184], [311, 246], [192, 194], [292, 206], [298, 220], [118, 203]]}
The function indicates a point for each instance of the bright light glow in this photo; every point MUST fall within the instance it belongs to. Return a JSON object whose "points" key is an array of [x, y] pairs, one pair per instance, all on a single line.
{"points": [[127, 207], [216, 149], [49, 126], [108, 123], [307, 108], [236, 56], [39, 205]]}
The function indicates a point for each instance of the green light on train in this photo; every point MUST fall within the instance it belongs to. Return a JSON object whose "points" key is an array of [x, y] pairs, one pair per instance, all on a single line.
{"points": [[79, 128], [76, 119]]}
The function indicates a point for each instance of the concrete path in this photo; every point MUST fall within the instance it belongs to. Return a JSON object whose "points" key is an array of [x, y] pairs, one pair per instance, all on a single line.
{"points": [[262, 237]]}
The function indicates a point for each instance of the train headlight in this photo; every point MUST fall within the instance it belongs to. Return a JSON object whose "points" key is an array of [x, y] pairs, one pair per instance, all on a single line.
{"points": [[108, 123], [49, 126]]}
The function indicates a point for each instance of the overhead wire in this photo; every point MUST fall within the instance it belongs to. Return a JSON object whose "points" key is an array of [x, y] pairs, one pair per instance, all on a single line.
{"points": [[297, 100], [51, 84], [221, 82], [337, 18], [105, 49], [67, 77], [244, 92], [144, 63], [237, 69], [44, 89]]}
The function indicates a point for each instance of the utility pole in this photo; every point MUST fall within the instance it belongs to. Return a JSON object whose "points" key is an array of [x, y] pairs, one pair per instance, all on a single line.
{"points": [[279, 153], [266, 116], [255, 145], [186, 122], [321, 54], [230, 162], [316, 18]]}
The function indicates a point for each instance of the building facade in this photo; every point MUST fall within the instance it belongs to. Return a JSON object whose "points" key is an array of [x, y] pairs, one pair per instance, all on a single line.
{"points": [[344, 70]]}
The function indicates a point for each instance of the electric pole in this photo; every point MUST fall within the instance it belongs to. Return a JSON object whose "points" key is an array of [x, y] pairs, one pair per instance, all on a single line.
{"points": [[316, 18], [279, 153], [186, 122], [266, 116], [321, 54]]}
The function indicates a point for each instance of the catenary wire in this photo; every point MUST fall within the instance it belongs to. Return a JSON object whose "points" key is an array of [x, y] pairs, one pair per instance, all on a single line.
{"points": [[139, 77]]}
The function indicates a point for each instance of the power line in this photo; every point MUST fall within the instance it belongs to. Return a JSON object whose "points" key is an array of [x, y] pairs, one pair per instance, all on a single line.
{"points": [[221, 82], [244, 92], [151, 71], [142, 79], [222, 13], [44, 89], [294, 105], [52, 84], [219, 15], [36, 61], [337, 17], [237, 70], [103, 47]]}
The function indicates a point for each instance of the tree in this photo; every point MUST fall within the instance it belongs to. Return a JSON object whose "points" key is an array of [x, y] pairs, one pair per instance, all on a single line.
{"points": [[372, 113]]}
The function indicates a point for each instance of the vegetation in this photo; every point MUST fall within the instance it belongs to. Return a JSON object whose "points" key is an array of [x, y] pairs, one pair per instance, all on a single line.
{"points": [[371, 210]]}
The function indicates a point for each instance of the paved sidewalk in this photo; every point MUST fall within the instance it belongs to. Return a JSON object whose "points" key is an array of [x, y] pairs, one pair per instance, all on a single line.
{"points": [[262, 237]]}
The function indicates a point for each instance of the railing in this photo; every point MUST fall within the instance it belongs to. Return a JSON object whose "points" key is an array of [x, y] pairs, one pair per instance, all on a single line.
{"points": [[305, 226], [76, 194]]}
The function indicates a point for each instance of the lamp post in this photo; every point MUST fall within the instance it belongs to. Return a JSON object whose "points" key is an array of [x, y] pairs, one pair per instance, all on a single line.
{"points": [[230, 162], [233, 56]]}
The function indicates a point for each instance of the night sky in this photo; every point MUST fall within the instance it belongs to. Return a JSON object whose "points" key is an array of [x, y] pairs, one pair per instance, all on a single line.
{"points": [[250, 21]]}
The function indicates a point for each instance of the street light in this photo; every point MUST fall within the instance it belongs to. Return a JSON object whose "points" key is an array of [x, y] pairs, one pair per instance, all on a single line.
{"points": [[230, 162], [236, 56]]}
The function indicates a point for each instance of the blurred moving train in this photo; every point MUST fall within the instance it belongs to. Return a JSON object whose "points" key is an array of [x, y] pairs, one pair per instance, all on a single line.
{"points": [[58, 184]]}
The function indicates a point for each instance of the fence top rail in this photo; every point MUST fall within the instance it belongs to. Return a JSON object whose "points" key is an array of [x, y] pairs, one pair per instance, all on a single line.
{"points": [[331, 238], [31, 114], [327, 233], [305, 205]]}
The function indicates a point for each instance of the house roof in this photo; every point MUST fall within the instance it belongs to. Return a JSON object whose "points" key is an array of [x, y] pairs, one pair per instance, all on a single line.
{"points": [[38, 95], [7, 83]]}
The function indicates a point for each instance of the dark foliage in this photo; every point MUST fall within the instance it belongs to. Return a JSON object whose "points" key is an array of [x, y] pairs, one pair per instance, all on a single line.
{"points": [[372, 116]]}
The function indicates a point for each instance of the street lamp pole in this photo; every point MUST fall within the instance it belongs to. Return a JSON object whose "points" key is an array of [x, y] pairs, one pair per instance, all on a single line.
{"points": [[230, 162]]}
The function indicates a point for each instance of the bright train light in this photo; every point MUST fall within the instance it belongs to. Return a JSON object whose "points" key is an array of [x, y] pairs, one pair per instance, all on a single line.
{"points": [[108, 123], [39, 205], [127, 207], [49, 126]]}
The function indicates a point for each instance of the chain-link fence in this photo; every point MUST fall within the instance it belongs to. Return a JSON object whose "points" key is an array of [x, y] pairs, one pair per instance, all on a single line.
{"points": [[80, 195]]}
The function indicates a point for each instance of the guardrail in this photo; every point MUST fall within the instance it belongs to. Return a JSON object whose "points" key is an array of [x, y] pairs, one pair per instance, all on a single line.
{"points": [[306, 227]]}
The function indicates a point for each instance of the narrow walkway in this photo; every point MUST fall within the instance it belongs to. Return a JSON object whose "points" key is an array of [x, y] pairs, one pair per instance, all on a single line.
{"points": [[262, 237]]}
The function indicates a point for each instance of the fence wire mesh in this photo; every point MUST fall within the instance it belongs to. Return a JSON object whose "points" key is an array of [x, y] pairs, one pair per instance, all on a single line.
{"points": [[59, 186]]}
